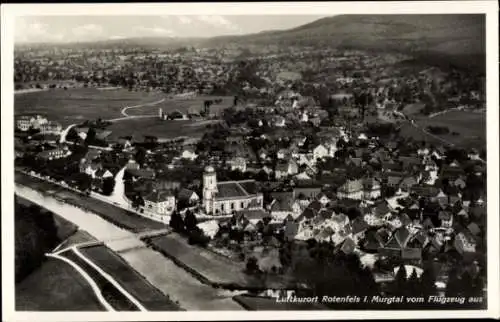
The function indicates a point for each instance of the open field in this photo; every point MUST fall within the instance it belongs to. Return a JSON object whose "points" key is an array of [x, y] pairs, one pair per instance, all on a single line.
{"points": [[55, 286], [140, 127], [470, 126], [78, 104], [129, 279], [119, 217], [209, 267]]}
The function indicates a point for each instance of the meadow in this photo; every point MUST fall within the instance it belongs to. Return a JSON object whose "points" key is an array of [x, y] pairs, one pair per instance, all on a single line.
{"points": [[78, 104], [138, 128], [191, 105], [470, 126]]}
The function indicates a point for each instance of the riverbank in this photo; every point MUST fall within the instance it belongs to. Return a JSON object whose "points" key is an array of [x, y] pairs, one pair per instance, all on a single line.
{"points": [[117, 216], [158, 270]]}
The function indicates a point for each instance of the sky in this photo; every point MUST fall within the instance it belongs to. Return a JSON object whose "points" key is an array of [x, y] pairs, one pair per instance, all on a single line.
{"points": [[30, 29]]}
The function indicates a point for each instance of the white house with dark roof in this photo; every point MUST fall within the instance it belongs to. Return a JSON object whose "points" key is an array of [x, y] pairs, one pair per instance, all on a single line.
{"points": [[159, 203], [352, 189], [229, 196]]}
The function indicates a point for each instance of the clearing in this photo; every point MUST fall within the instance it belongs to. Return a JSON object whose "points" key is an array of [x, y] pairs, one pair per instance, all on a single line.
{"points": [[78, 104]]}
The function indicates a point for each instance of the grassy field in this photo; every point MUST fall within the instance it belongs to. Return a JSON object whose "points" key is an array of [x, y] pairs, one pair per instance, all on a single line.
{"points": [[55, 286], [470, 126], [129, 279], [209, 267], [78, 104], [140, 127], [194, 104]]}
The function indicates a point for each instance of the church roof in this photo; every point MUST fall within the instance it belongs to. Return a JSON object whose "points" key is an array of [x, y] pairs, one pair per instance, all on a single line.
{"points": [[236, 189]]}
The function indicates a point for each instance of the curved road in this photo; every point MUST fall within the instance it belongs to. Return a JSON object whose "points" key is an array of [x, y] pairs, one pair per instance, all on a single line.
{"points": [[65, 132]]}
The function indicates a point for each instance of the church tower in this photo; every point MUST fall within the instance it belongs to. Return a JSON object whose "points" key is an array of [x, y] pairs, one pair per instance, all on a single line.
{"points": [[209, 188]]}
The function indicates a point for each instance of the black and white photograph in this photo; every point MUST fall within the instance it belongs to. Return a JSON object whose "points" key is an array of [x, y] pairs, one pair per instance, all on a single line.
{"points": [[268, 159]]}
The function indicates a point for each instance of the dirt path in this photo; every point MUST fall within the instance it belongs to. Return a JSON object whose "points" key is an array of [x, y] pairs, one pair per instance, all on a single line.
{"points": [[124, 110]]}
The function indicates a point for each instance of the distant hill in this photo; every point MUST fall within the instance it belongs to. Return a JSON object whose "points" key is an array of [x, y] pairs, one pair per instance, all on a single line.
{"points": [[437, 38]]}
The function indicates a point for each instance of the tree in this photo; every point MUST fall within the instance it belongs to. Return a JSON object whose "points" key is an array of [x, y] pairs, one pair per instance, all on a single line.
{"points": [[400, 281], [108, 185], [197, 237], [83, 182], [190, 221], [252, 265], [176, 222], [413, 283], [140, 156], [427, 281], [91, 136]]}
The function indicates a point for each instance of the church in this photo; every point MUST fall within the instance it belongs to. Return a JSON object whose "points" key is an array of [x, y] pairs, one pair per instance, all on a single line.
{"points": [[229, 196]]}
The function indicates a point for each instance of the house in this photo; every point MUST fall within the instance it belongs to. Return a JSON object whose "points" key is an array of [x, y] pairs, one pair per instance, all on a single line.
{"points": [[303, 176], [188, 197], [306, 192], [279, 121], [89, 168], [56, 153], [352, 189], [238, 164], [126, 142], [50, 128], [465, 242], [284, 207], [159, 202], [137, 174], [323, 198], [282, 154], [102, 174], [371, 188], [407, 183], [189, 154], [348, 246], [320, 152], [132, 165], [358, 228], [25, 122], [446, 218], [284, 169]]}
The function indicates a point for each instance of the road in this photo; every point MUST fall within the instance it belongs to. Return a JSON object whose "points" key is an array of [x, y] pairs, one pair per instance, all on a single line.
{"points": [[124, 110]]}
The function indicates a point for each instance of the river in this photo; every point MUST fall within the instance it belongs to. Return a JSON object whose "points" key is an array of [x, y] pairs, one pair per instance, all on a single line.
{"points": [[169, 278]]}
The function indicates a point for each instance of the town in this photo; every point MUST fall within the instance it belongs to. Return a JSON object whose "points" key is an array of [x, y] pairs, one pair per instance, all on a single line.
{"points": [[325, 167]]}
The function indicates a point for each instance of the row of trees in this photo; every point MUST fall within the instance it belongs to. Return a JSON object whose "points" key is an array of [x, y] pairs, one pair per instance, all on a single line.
{"points": [[187, 226]]}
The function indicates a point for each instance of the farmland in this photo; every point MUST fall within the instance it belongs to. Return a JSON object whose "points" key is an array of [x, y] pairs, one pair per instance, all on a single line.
{"points": [[139, 127], [78, 104], [471, 127], [184, 105]]}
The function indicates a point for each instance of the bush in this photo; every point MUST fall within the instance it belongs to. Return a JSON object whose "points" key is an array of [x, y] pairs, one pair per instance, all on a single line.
{"points": [[437, 130], [197, 237], [252, 265]]}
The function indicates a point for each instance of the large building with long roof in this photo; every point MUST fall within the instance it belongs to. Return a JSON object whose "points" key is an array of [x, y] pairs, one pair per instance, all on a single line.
{"points": [[227, 197]]}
